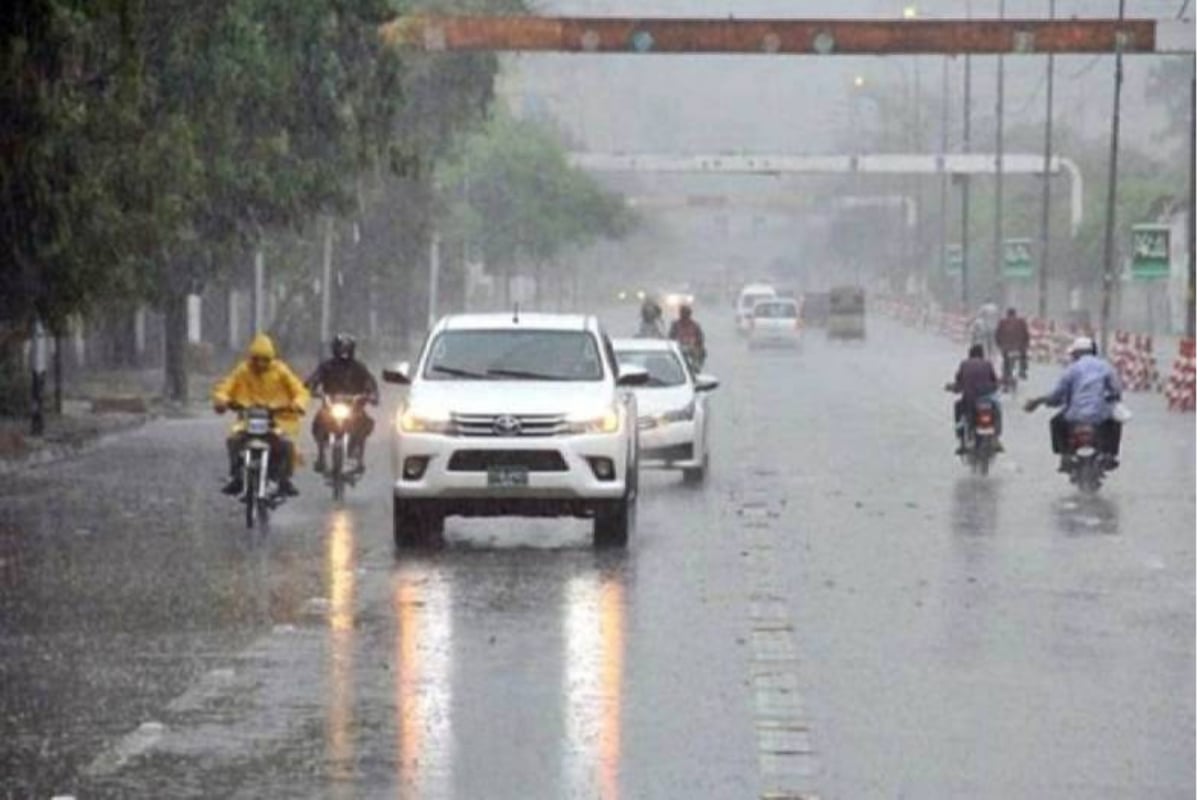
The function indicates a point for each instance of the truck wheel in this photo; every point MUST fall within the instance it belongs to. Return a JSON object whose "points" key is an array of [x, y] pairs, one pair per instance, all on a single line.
{"points": [[413, 527], [611, 525]]}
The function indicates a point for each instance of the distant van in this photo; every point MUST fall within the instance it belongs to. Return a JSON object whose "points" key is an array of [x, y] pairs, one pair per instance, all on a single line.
{"points": [[751, 294]]}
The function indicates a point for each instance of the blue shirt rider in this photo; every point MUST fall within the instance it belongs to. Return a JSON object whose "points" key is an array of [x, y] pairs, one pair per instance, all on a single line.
{"points": [[1087, 391]]}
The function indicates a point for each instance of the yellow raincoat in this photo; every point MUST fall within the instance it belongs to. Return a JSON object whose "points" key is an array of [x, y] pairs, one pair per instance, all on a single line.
{"points": [[277, 387]]}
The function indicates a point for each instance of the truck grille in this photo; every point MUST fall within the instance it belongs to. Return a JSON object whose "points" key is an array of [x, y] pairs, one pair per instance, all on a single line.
{"points": [[510, 425], [482, 460]]}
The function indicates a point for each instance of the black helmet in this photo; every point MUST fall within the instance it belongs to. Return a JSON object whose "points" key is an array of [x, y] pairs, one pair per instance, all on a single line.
{"points": [[343, 346], [650, 310]]}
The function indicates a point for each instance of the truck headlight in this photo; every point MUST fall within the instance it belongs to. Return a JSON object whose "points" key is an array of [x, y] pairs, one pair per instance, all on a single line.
{"points": [[409, 420], [685, 414], [606, 421]]}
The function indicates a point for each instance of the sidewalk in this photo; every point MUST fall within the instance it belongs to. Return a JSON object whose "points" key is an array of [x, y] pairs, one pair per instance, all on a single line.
{"points": [[65, 435], [95, 406]]}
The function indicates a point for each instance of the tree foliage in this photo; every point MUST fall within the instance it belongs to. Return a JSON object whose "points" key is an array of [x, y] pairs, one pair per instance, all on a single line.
{"points": [[511, 192]]}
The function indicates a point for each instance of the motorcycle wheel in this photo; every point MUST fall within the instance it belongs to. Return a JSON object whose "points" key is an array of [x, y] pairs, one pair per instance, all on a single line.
{"points": [[250, 494], [337, 472]]}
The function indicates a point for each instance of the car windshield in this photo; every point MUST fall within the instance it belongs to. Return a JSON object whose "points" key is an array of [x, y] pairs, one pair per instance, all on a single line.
{"points": [[514, 355], [663, 366], [749, 300], [781, 310]]}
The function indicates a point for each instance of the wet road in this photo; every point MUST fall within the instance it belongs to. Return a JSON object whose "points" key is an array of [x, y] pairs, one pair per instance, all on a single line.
{"points": [[841, 611]]}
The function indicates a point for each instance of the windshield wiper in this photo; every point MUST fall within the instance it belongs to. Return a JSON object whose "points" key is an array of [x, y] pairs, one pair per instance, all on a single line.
{"points": [[458, 373], [520, 373]]}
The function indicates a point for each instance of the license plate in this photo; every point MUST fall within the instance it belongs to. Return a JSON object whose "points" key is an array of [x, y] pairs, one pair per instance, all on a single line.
{"points": [[508, 477], [985, 431]]}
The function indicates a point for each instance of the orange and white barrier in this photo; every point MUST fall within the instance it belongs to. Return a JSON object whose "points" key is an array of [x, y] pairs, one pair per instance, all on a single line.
{"points": [[1181, 386]]}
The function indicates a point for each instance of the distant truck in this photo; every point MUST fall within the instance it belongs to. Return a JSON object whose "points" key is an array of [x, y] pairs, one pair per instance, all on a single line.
{"points": [[815, 309], [847, 313]]}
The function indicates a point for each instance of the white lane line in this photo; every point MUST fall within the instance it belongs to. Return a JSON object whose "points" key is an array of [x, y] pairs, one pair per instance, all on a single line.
{"points": [[788, 761], [128, 747]]}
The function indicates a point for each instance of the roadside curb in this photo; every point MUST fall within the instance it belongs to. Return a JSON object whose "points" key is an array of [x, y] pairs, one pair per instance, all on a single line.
{"points": [[76, 445]]}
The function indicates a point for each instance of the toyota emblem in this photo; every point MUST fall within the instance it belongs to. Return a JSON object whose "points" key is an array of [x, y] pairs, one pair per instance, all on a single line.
{"points": [[507, 425]]}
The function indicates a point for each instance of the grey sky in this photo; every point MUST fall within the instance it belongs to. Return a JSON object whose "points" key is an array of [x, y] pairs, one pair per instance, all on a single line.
{"points": [[806, 104]]}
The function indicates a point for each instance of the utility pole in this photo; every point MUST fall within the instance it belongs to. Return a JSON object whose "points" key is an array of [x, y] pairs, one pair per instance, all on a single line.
{"points": [[1110, 218], [258, 302], [1044, 258], [327, 285], [1191, 296], [998, 218], [966, 180], [435, 267], [944, 145]]}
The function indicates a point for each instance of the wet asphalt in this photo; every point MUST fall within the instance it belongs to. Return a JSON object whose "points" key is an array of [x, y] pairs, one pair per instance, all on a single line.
{"points": [[841, 611]]}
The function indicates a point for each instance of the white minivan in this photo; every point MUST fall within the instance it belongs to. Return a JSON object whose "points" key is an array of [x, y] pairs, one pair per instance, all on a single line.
{"points": [[751, 294], [776, 323]]}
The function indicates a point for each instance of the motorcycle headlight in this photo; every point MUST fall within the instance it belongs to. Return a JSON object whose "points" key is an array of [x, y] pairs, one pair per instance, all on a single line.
{"points": [[410, 420], [340, 412], [685, 414], [606, 421]]}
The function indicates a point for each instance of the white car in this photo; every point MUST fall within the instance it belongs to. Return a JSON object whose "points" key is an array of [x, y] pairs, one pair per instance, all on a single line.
{"points": [[751, 294], [672, 407], [515, 415], [776, 323]]}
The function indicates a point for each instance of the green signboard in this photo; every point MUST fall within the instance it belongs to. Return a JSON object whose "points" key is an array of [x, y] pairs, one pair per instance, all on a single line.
{"points": [[954, 259], [1018, 258], [1151, 252]]}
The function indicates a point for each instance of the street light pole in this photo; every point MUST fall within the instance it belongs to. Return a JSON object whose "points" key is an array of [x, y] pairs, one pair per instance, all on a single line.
{"points": [[1191, 295], [1110, 219], [1044, 259], [998, 214], [943, 147], [966, 180]]}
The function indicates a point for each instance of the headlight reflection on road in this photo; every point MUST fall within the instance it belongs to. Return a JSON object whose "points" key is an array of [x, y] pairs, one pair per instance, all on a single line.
{"points": [[592, 683], [424, 639], [340, 583]]}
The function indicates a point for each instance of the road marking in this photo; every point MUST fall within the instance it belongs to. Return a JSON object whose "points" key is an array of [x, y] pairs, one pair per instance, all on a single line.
{"points": [[788, 760], [127, 748]]}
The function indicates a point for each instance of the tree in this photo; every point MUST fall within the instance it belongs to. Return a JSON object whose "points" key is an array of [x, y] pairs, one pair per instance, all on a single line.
{"points": [[510, 191]]}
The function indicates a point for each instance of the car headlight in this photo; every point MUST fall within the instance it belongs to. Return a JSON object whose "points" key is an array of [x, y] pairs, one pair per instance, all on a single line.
{"points": [[685, 414], [606, 421], [340, 412], [409, 420]]}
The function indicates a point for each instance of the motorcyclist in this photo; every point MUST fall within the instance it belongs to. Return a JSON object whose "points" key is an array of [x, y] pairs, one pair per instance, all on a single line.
{"points": [[975, 380], [651, 326], [1012, 336], [263, 379], [1087, 391], [690, 336], [343, 374]]}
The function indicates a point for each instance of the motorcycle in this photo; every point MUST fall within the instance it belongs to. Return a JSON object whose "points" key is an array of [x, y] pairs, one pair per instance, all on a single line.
{"points": [[340, 413], [260, 492], [1008, 381], [1085, 463], [978, 434], [979, 437]]}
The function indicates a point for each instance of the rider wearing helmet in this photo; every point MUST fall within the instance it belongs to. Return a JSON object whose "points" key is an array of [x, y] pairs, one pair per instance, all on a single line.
{"points": [[690, 336], [1087, 391], [263, 380], [343, 375]]}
